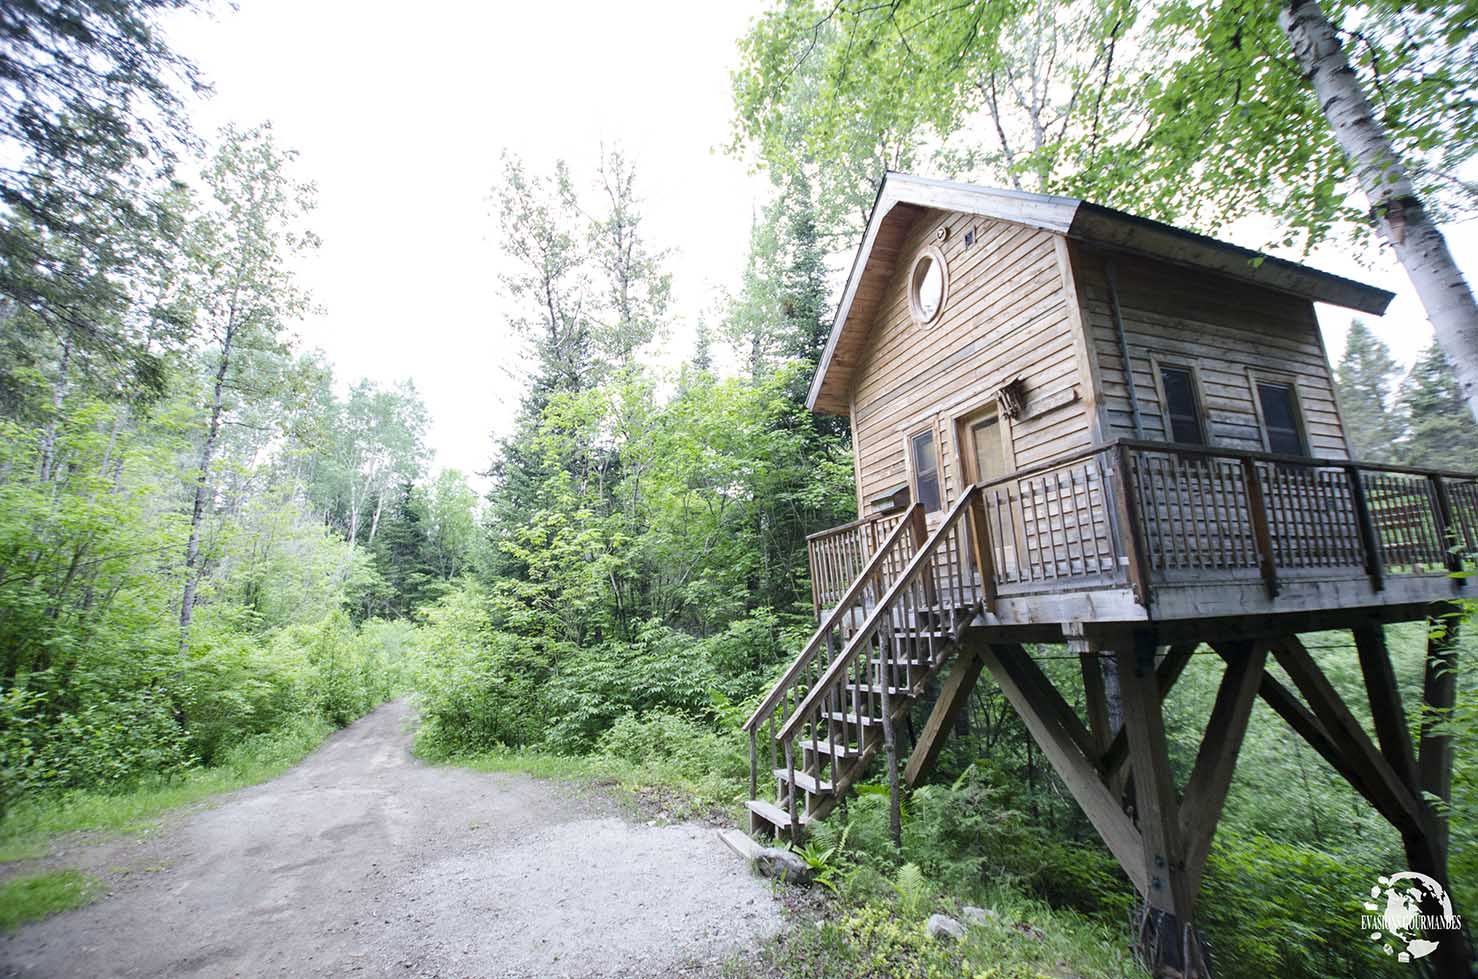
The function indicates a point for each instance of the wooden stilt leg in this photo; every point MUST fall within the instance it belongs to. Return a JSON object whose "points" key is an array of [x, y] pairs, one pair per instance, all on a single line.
{"points": [[1164, 940], [1439, 692]]}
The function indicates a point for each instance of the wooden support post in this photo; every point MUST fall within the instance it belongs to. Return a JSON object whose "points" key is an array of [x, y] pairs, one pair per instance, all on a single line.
{"points": [[1257, 511], [1439, 693], [890, 744], [1167, 938], [953, 696], [1095, 695], [1168, 671]]}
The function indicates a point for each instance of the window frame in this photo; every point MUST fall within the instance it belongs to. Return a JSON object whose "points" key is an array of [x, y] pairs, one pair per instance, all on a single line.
{"points": [[1197, 395], [935, 254], [1255, 378], [910, 436]]}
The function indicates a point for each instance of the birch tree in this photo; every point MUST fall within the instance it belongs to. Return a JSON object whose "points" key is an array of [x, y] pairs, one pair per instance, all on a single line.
{"points": [[1395, 205], [244, 296]]}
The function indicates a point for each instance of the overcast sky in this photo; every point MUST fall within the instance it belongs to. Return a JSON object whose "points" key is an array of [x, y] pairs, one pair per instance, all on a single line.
{"points": [[400, 113]]}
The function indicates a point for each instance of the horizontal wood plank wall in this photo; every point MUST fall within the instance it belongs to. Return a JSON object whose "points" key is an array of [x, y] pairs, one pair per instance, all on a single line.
{"points": [[1222, 328], [1005, 316]]}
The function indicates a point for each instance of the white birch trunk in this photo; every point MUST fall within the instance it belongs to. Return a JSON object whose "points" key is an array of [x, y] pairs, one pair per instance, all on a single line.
{"points": [[1399, 215]]}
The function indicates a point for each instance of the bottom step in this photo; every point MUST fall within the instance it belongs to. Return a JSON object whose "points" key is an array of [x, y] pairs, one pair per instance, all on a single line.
{"points": [[771, 813], [740, 843]]}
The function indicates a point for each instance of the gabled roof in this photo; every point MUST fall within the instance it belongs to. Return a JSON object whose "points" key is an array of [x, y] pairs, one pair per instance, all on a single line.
{"points": [[902, 198]]}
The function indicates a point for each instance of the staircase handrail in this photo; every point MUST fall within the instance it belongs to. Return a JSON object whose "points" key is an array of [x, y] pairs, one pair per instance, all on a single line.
{"points": [[840, 664], [842, 609]]}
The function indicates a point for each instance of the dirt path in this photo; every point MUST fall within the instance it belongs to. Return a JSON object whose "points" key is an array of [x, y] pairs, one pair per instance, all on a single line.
{"points": [[362, 861]]}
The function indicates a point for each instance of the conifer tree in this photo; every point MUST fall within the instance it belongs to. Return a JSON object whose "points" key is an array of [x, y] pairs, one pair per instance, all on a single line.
{"points": [[1443, 433], [1365, 381]]}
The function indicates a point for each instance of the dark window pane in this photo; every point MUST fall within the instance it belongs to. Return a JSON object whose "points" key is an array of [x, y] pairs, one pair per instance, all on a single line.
{"points": [[1180, 405], [926, 471], [929, 492], [1280, 416]]}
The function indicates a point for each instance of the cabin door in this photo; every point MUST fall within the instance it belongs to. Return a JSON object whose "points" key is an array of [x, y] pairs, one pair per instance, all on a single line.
{"points": [[984, 460]]}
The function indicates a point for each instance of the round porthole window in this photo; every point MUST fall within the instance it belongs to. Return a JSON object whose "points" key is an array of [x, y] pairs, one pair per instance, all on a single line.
{"points": [[926, 285]]}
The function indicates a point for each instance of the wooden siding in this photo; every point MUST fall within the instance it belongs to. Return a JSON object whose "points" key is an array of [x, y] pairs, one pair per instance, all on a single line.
{"points": [[1226, 330], [1006, 315]]}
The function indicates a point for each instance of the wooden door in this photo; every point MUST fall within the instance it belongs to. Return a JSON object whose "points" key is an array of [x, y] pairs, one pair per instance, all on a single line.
{"points": [[985, 459]]}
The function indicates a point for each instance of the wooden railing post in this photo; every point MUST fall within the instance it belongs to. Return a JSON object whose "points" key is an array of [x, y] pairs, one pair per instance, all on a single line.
{"points": [[1135, 544], [1257, 511], [754, 766], [815, 580], [1446, 532], [919, 525], [890, 744], [985, 556], [1365, 521]]}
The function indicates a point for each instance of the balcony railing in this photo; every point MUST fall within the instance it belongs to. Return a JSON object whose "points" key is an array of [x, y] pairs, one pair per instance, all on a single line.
{"points": [[1145, 515]]}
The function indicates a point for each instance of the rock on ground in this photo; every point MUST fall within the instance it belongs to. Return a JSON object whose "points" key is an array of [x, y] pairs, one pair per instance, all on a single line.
{"points": [[945, 928]]}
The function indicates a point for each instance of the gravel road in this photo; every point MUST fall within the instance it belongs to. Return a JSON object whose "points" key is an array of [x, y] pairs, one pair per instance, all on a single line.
{"points": [[362, 861]]}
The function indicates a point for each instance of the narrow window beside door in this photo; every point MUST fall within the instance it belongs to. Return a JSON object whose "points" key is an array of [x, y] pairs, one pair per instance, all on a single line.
{"points": [[1280, 419], [1182, 408], [925, 471]]}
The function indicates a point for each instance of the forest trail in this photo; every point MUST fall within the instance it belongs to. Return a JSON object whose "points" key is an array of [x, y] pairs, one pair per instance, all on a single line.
{"points": [[364, 861]]}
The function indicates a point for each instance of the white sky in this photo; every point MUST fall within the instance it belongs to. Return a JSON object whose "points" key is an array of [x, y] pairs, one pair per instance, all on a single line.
{"points": [[400, 113]]}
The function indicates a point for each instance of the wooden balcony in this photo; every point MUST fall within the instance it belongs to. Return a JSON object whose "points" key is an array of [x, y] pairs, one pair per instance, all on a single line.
{"points": [[1135, 531]]}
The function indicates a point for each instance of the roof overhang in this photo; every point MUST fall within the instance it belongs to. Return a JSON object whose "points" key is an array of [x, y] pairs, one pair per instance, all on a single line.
{"points": [[901, 198]]}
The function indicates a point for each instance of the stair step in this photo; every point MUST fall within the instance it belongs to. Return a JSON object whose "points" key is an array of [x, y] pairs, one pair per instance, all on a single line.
{"points": [[824, 747], [918, 664], [877, 688], [926, 634], [772, 814], [741, 844], [805, 782], [841, 718]]}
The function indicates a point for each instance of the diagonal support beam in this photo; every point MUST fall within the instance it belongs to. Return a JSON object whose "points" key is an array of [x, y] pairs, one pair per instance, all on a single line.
{"points": [[1391, 797], [1211, 778], [953, 696], [1066, 743], [1386, 708]]}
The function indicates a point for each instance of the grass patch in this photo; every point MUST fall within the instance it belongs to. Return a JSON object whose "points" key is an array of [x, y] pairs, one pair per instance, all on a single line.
{"points": [[652, 784], [38, 896], [28, 828]]}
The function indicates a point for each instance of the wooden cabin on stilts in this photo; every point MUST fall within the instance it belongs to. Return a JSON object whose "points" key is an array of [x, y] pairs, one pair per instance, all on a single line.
{"points": [[1075, 426]]}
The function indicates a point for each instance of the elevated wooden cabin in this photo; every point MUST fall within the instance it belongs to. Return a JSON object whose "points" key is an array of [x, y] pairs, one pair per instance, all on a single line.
{"points": [[1074, 425]]}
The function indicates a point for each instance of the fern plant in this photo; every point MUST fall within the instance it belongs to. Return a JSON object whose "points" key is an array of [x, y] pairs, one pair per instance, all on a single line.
{"points": [[913, 890], [821, 853]]}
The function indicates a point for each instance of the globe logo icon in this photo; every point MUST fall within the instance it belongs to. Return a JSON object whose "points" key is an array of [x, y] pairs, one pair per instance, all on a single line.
{"points": [[1397, 922]]}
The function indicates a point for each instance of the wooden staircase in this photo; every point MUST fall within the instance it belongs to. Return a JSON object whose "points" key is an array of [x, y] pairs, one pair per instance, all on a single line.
{"points": [[874, 653]]}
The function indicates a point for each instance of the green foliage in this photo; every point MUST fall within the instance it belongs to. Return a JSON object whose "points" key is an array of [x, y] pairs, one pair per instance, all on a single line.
{"points": [[1443, 432], [37, 896], [32, 822], [1178, 110], [1365, 380]]}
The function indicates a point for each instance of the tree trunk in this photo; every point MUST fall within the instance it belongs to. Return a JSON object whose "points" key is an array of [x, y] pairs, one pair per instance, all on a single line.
{"points": [[1397, 210], [58, 396], [202, 491]]}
